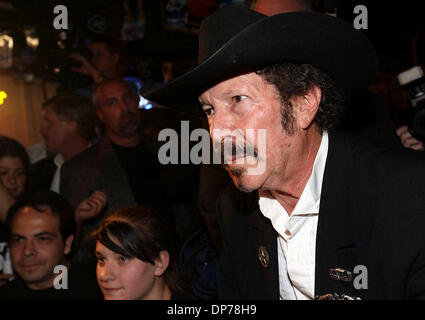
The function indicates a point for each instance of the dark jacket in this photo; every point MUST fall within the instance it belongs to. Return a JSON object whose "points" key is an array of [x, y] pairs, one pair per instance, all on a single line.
{"points": [[99, 168], [42, 174], [372, 213]]}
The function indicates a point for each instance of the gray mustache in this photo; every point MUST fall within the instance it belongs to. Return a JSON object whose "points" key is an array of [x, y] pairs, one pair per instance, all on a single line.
{"points": [[230, 151]]}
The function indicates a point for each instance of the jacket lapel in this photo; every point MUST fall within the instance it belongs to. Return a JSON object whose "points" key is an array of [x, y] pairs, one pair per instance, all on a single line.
{"points": [[265, 237], [336, 242]]}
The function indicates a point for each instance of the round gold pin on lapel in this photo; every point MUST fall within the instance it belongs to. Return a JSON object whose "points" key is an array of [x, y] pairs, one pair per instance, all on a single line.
{"points": [[263, 256]]}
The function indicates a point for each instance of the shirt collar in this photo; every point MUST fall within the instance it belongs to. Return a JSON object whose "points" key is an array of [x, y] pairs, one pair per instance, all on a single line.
{"points": [[58, 160], [309, 202]]}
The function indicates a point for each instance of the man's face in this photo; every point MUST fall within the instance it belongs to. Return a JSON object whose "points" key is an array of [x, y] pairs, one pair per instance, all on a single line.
{"points": [[118, 110], [122, 278], [102, 60], [56, 133], [36, 246], [246, 104]]}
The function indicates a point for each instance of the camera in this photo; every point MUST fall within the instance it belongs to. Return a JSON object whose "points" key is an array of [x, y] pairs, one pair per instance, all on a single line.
{"points": [[413, 83]]}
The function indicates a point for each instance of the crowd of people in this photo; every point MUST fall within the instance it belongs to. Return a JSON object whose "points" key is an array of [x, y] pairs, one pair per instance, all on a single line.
{"points": [[98, 216], [53, 211], [96, 160]]}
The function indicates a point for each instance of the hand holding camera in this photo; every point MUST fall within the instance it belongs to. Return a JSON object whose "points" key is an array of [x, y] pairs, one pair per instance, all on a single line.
{"points": [[413, 83], [407, 140]]}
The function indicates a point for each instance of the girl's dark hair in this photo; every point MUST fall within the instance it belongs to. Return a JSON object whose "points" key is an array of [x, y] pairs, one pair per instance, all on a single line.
{"points": [[12, 148], [141, 233], [292, 80]]}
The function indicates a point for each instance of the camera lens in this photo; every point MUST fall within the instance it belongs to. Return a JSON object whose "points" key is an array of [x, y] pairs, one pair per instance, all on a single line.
{"points": [[417, 122]]}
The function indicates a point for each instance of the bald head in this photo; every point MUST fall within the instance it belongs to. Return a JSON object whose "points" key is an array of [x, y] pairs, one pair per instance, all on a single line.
{"points": [[110, 83], [272, 7], [117, 108]]}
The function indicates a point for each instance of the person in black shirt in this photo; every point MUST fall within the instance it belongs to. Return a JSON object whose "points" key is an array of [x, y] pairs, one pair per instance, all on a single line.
{"points": [[142, 170], [123, 164], [41, 230]]}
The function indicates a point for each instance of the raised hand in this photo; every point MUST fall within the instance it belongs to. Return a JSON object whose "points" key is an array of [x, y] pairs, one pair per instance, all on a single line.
{"points": [[86, 68], [91, 206]]}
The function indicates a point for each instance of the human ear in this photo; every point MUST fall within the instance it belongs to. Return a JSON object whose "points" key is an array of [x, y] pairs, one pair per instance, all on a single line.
{"points": [[161, 264], [68, 244], [99, 114], [307, 106]]}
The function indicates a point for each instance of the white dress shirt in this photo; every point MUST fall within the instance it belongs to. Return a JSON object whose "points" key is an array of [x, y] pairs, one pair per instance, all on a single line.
{"points": [[58, 160], [297, 233]]}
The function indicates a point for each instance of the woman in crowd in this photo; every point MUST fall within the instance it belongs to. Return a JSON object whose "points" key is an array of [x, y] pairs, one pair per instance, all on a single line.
{"points": [[14, 169], [14, 172], [136, 258]]}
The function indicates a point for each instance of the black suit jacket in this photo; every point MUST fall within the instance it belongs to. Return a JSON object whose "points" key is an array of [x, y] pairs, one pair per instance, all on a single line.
{"points": [[42, 174], [372, 213]]}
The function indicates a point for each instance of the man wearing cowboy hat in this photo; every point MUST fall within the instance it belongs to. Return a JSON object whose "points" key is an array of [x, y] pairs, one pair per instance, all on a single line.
{"points": [[330, 216]]}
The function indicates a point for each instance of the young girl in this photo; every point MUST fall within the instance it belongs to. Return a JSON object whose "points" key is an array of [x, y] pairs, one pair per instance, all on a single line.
{"points": [[14, 168], [136, 257]]}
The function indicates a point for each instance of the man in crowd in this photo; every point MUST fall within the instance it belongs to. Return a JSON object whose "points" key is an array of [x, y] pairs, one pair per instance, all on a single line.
{"points": [[123, 164], [105, 62], [67, 127], [319, 213], [41, 230]]}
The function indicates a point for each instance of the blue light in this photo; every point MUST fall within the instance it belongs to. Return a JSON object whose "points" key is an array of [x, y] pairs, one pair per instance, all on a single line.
{"points": [[148, 106]]}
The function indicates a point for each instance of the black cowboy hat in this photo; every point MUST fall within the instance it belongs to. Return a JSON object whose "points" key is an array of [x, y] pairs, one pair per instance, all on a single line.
{"points": [[235, 40]]}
